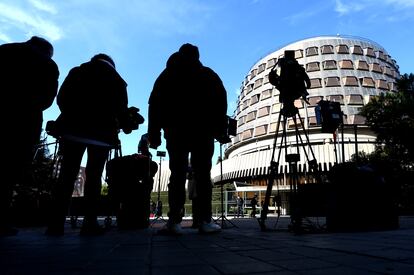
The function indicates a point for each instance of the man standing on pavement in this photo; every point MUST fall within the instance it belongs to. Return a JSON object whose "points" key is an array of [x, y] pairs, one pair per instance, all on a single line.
{"points": [[28, 86], [189, 103]]}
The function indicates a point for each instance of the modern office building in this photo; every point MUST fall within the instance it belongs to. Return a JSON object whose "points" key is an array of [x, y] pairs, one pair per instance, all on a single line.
{"points": [[345, 69]]}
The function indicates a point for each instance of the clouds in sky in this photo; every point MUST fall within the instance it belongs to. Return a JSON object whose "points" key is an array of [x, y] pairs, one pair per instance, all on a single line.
{"points": [[28, 17], [57, 19], [344, 7]]}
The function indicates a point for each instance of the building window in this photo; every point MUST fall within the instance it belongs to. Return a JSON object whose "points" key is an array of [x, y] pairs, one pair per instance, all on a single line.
{"points": [[336, 98], [261, 68], [246, 104], [375, 67], [272, 127], [298, 103], [350, 81], [312, 66], [271, 63], [236, 139], [312, 121], [291, 123], [247, 134], [266, 79], [380, 55], [387, 71], [266, 94], [254, 99], [249, 89], [241, 120], [314, 100], [355, 99], [362, 65], [381, 84], [329, 64], [342, 49], [253, 73], [346, 64], [260, 130], [258, 83], [298, 54], [276, 108], [312, 51], [356, 49], [367, 82], [316, 83], [327, 49], [356, 119], [332, 82], [263, 111], [392, 86], [251, 116], [369, 52]]}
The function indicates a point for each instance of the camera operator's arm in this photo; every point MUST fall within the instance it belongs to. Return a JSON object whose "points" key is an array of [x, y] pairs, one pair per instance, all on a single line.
{"points": [[154, 114]]}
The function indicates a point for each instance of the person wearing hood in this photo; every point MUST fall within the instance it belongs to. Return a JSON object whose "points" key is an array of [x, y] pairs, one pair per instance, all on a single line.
{"points": [[189, 103], [94, 107]]}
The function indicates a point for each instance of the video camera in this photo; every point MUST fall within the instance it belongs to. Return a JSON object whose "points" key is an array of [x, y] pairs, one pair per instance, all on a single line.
{"points": [[131, 120], [230, 130], [292, 81], [329, 115]]}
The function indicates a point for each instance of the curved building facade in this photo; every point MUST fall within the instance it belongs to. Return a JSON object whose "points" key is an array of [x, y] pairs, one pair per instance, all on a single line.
{"points": [[345, 69]]}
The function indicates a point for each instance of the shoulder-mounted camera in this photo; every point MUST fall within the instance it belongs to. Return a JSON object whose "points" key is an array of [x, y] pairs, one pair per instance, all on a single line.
{"points": [[131, 120]]}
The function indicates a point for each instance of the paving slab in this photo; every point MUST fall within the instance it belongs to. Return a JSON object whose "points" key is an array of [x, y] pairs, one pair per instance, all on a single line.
{"points": [[243, 249]]}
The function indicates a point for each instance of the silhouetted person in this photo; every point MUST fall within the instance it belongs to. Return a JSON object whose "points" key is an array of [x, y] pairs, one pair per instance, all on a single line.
{"points": [[253, 204], [189, 103], [94, 106], [240, 206], [28, 86]]}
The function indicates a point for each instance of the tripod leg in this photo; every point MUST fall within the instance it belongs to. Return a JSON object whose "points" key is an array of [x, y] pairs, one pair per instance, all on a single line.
{"points": [[272, 174]]}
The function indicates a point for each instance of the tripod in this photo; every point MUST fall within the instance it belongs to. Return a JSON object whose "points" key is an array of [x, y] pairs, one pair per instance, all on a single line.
{"points": [[223, 218], [288, 110], [158, 211]]}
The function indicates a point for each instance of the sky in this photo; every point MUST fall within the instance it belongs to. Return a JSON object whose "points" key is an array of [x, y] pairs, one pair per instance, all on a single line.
{"points": [[232, 35]]}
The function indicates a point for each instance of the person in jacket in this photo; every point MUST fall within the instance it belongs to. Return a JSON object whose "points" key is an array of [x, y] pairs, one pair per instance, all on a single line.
{"points": [[94, 105], [189, 103], [28, 86]]}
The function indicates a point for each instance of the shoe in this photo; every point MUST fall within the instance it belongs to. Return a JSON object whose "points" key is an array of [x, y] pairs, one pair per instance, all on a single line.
{"points": [[7, 231], [208, 228], [171, 228]]}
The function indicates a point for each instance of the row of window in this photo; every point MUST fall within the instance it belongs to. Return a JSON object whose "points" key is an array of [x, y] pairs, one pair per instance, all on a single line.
{"points": [[271, 128], [347, 81], [353, 99], [327, 49], [330, 65], [349, 65]]}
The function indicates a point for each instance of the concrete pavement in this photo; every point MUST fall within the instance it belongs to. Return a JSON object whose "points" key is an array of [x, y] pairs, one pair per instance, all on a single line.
{"points": [[236, 250]]}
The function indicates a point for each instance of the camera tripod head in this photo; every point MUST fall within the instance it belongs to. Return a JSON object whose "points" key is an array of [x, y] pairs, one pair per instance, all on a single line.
{"points": [[289, 109]]}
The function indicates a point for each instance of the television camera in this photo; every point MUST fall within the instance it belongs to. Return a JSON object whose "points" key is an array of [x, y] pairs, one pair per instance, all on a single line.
{"points": [[292, 81]]}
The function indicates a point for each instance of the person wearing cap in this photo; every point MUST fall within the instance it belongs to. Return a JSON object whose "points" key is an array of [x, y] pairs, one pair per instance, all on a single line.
{"points": [[189, 103], [28, 86]]}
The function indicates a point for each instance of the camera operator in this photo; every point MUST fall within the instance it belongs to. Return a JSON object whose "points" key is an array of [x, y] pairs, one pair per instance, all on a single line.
{"points": [[189, 103], [94, 106], [28, 85]]}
